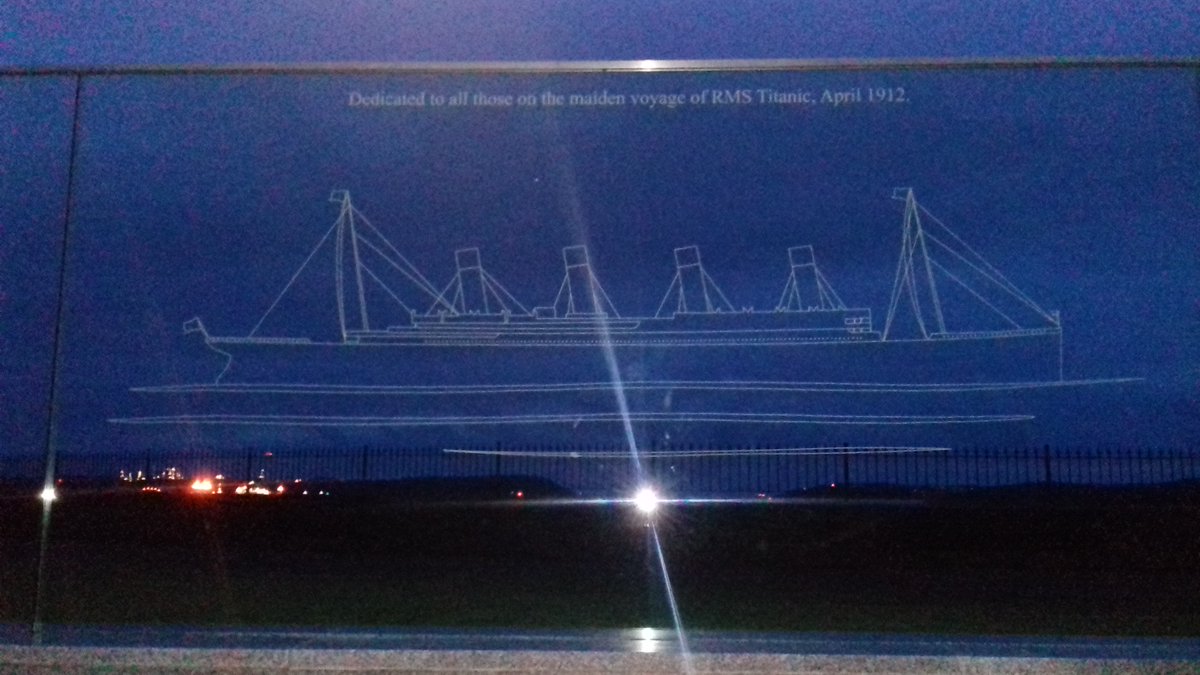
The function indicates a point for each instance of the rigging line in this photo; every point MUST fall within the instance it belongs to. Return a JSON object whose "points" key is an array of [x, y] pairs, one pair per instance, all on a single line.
{"points": [[784, 301], [459, 300], [339, 274], [427, 286], [595, 284], [893, 303], [933, 294], [483, 292], [387, 289], [509, 296], [979, 297], [899, 279], [988, 265], [709, 280], [562, 288], [442, 296], [911, 283], [397, 266], [295, 276], [915, 302], [675, 281], [964, 244], [432, 292], [829, 287], [985, 269], [827, 302], [1004, 284], [491, 292]]}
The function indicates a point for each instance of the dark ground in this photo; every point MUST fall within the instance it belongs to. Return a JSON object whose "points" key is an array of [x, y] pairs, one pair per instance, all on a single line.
{"points": [[1041, 560]]}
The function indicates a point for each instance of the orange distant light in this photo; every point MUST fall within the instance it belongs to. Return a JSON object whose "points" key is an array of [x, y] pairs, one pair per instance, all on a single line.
{"points": [[202, 485]]}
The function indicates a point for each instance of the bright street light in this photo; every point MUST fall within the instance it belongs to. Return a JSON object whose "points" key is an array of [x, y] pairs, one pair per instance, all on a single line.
{"points": [[646, 501]]}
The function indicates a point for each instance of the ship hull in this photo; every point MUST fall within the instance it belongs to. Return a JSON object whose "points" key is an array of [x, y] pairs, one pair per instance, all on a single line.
{"points": [[1029, 356]]}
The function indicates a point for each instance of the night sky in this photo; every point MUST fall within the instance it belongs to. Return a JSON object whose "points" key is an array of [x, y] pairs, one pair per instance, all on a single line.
{"points": [[199, 195]]}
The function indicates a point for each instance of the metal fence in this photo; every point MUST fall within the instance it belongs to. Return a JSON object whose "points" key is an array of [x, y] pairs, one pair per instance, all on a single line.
{"points": [[597, 470]]}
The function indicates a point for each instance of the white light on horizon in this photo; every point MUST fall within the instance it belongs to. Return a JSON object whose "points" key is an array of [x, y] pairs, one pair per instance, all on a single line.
{"points": [[646, 501], [48, 494]]}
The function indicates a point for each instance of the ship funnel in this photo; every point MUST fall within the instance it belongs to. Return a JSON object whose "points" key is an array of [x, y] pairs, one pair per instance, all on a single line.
{"points": [[692, 291], [807, 289], [581, 293], [474, 291]]}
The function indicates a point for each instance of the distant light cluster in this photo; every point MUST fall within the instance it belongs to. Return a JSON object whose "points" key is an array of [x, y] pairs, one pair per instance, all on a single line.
{"points": [[173, 480]]}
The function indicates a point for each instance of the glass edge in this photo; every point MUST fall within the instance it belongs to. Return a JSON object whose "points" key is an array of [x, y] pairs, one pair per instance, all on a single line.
{"points": [[600, 67]]}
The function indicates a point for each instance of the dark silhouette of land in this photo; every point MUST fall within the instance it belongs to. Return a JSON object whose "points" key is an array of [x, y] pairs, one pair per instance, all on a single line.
{"points": [[1020, 560]]}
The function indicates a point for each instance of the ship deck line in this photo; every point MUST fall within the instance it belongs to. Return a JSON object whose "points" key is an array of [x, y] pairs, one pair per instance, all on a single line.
{"points": [[554, 387], [567, 418], [631, 328], [482, 337]]}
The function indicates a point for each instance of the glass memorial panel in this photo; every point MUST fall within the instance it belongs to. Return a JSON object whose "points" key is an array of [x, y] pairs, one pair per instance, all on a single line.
{"points": [[401, 348]]}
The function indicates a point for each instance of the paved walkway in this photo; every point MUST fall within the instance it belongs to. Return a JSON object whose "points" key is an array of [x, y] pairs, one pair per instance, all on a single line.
{"points": [[645, 650]]}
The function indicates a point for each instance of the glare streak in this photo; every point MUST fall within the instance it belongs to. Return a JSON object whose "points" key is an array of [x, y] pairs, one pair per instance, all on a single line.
{"points": [[618, 386], [610, 358], [670, 591]]}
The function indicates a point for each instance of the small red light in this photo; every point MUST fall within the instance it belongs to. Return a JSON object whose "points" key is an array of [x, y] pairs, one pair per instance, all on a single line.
{"points": [[520, 494]]}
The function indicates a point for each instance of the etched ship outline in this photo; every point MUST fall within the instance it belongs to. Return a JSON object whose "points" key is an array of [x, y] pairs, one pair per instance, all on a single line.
{"points": [[475, 317], [494, 315], [451, 301]]}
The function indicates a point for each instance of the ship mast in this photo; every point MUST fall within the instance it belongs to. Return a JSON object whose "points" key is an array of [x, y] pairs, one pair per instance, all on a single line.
{"points": [[916, 278], [913, 245], [346, 232], [362, 259]]}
